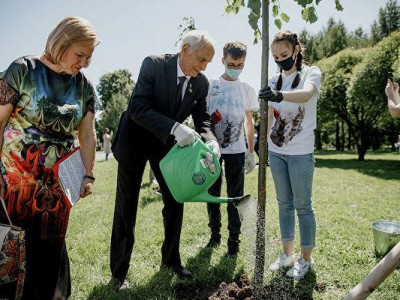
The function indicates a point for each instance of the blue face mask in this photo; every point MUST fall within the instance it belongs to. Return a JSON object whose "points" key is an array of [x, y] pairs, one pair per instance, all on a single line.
{"points": [[232, 73]]}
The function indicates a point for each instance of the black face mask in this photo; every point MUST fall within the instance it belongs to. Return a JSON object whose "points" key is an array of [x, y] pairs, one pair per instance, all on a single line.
{"points": [[287, 63]]}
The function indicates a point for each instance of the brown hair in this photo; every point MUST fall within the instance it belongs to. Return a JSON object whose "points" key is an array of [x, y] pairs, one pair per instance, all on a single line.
{"points": [[292, 40], [71, 30], [235, 49]]}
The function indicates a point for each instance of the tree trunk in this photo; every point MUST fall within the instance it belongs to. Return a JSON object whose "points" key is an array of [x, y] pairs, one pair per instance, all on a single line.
{"points": [[337, 139], [318, 139], [363, 146], [262, 179], [343, 137], [349, 145]]}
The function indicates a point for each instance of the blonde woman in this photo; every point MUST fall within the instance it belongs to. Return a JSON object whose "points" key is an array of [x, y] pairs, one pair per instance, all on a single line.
{"points": [[45, 103]]}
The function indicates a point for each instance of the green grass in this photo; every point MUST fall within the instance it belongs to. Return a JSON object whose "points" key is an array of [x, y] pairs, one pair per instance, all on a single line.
{"points": [[348, 196]]}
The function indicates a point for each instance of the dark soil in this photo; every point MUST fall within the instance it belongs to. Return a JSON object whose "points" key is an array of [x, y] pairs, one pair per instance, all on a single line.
{"points": [[242, 289]]}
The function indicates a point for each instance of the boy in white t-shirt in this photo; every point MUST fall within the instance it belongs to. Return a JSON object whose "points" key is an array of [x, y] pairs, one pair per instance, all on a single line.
{"points": [[231, 103]]}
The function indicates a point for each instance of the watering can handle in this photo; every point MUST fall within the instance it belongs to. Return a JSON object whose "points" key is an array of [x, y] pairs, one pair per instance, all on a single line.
{"points": [[201, 154]]}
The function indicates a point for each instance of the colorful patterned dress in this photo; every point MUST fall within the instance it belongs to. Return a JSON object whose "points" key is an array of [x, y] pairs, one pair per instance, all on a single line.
{"points": [[48, 108]]}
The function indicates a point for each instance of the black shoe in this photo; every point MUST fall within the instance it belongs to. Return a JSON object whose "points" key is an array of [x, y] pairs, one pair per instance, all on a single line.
{"points": [[233, 247], [181, 271], [119, 285], [214, 242]]}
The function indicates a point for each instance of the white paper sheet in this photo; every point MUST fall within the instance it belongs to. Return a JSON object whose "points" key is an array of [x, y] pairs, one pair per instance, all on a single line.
{"points": [[70, 173]]}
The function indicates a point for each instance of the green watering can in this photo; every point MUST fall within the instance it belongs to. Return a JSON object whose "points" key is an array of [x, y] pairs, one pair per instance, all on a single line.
{"points": [[189, 177]]}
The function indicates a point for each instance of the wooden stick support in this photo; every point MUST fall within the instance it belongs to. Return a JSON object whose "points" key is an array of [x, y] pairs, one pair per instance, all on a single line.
{"points": [[378, 274]]}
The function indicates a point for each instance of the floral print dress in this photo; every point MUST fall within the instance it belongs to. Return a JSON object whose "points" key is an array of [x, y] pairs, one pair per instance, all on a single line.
{"points": [[48, 107]]}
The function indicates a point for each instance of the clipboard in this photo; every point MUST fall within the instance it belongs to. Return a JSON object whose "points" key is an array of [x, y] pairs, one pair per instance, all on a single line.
{"points": [[70, 171]]}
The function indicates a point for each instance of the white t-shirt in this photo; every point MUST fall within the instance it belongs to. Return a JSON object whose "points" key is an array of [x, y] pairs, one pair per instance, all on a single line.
{"points": [[227, 103], [292, 131]]}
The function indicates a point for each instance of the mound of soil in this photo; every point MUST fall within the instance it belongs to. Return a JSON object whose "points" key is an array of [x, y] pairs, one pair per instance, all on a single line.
{"points": [[240, 289]]}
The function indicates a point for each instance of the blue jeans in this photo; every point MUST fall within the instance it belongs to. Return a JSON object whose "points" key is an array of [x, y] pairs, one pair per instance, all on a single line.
{"points": [[293, 176]]}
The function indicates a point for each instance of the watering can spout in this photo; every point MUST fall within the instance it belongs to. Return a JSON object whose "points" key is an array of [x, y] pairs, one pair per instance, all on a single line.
{"points": [[239, 200]]}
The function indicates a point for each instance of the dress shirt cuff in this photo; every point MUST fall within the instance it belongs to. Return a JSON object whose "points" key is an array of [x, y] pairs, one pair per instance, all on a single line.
{"points": [[173, 128]]}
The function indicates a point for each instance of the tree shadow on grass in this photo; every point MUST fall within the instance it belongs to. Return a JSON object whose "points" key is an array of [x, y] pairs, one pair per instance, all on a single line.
{"points": [[207, 278], [283, 287], [156, 288], [380, 168]]}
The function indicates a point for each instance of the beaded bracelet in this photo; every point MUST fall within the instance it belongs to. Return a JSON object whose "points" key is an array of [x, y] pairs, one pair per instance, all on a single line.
{"points": [[89, 177]]}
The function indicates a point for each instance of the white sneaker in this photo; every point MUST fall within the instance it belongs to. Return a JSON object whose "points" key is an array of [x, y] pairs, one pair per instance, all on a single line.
{"points": [[300, 268], [283, 261]]}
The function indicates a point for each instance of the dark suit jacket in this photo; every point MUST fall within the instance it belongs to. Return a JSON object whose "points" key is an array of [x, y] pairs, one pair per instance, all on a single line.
{"points": [[146, 125]]}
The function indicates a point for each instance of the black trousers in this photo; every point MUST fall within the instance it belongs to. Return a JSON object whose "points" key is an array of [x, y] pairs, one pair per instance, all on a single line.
{"points": [[234, 174], [123, 232]]}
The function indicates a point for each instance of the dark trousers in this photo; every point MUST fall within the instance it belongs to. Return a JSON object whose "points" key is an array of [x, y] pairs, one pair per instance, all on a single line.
{"points": [[47, 270], [234, 174], [123, 232]]}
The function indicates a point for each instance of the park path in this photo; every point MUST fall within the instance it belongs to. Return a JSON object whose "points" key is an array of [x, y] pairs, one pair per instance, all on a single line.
{"points": [[101, 156]]}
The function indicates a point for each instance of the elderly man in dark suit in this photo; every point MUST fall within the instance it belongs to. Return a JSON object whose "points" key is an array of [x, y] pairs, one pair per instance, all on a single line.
{"points": [[169, 89]]}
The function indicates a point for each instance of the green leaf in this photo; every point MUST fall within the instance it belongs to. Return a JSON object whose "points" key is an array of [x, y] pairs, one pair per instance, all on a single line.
{"points": [[309, 15], [228, 9], [285, 17], [255, 6], [275, 10], [233, 6], [257, 36], [304, 3], [253, 20], [278, 23], [339, 6]]}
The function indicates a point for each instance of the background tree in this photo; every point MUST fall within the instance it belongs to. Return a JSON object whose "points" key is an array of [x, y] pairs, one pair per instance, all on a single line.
{"points": [[110, 84], [319, 46], [114, 89], [367, 101], [388, 21], [354, 81], [110, 117], [186, 25]]}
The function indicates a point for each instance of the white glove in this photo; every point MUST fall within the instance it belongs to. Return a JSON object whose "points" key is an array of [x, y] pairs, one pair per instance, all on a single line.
{"points": [[184, 135], [250, 163], [214, 147]]}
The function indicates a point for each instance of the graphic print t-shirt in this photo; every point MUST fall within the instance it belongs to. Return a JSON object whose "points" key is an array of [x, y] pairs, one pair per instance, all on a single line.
{"points": [[227, 103], [292, 131]]}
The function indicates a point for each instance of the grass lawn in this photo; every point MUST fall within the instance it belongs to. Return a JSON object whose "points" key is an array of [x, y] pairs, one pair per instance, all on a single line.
{"points": [[348, 196]]}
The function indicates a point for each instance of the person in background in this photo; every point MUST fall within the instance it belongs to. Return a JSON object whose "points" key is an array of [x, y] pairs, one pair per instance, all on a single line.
{"points": [[169, 88], [292, 98], [46, 102], [392, 93], [231, 103], [107, 136]]}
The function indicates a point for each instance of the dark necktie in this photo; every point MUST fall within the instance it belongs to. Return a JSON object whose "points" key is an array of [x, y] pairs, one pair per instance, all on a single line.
{"points": [[180, 88]]}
